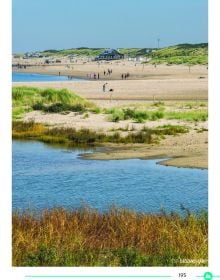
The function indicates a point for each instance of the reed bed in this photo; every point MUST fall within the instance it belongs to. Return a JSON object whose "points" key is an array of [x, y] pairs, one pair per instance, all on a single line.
{"points": [[71, 136], [119, 237]]}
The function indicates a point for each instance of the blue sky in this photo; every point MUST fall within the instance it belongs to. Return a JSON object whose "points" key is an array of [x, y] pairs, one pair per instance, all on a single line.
{"points": [[60, 24]]}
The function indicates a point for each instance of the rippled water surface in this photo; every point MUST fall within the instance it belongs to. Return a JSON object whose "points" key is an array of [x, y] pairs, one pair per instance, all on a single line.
{"points": [[46, 177], [31, 77]]}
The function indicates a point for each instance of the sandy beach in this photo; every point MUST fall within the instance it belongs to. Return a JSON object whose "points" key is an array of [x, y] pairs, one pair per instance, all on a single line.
{"points": [[137, 70], [145, 84], [187, 150]]}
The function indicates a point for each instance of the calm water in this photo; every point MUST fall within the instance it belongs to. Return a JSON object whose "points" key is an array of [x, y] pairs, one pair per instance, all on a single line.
{"points": [[31, 77], [44, 177]]}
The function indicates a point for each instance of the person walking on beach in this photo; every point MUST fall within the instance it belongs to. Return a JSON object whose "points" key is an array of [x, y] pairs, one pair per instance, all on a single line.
{"points": [[98, 76], [94, 76], [104, 87], [122, 76]]}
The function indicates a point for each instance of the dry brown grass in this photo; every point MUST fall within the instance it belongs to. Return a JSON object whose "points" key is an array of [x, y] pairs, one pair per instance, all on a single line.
{"points": [[116, 238]]}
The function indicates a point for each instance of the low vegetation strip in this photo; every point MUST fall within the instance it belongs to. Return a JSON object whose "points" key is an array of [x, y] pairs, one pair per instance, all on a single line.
{"points": [[71, 136], [141, 116], [26, 99], [118, 237]]}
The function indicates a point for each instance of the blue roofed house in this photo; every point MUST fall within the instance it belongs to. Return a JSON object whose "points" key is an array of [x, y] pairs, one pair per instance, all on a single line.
{"points": [[110, 54]]}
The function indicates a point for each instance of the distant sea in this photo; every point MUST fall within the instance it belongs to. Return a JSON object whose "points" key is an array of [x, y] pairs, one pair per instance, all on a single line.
{"points": [[32, 77]]}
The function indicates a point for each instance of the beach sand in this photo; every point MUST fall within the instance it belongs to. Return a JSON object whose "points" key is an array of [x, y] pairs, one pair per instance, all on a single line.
{"points": [[136, 70], [145, 84], [186, 150]]}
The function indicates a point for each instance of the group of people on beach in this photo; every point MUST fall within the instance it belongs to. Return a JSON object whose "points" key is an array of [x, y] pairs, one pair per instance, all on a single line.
{"points": [[96, 76], [125, 76], [108, 72], [93, 76], [20, 66]]}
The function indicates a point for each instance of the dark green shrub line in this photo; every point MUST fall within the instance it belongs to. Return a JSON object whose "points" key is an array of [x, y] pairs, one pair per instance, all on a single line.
{"points": [[59, 107]]}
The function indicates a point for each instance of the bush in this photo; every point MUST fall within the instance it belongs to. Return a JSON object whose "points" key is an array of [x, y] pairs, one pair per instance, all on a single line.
{"points": [[38, 106], [157, 115], [141, 115], [96, 110], [62, 107], [117, 115], [128, 113]]}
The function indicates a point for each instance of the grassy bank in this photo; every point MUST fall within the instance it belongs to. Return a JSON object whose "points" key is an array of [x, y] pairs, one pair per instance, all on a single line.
{"points": [[87, 52], [72, 137], [190, 54], [26, 99], [116, 238]]}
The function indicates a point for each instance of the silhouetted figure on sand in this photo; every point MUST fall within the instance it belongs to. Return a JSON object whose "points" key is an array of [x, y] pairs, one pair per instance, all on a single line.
{"points": [[104, 87]]}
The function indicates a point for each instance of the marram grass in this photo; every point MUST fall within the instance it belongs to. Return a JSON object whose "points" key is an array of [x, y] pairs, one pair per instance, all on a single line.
{"points": [[25, 99]]}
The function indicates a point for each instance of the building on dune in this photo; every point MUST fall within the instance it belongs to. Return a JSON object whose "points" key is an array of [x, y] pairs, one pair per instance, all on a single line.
{"points": [[110, 54]]}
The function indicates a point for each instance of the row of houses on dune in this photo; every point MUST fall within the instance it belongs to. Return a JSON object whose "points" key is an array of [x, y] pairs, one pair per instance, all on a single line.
{"points": [[108, 54], [112, 54]]}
